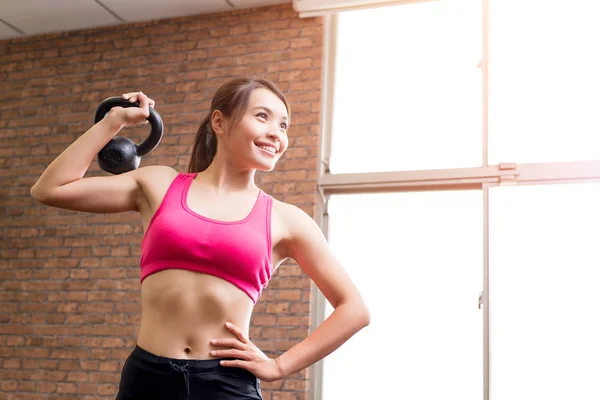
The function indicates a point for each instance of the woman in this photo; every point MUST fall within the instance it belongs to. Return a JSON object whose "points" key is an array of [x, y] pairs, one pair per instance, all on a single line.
{"points": [[212, 241]]}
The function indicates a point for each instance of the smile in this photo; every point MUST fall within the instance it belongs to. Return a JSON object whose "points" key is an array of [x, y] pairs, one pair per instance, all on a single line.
{"points": [[267, 149]]}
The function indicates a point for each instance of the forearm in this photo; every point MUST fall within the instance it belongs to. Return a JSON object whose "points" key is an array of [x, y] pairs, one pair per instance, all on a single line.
{"points": [[345, 321], [75, 160]]}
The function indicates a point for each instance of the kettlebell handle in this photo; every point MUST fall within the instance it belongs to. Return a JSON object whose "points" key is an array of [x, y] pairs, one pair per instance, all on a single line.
{"points": [[154, 119]]}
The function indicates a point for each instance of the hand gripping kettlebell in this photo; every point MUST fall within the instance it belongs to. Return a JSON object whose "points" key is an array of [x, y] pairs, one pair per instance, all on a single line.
{"points": [[121, 154]]}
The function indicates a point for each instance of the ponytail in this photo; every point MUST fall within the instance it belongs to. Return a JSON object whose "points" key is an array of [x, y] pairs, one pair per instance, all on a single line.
{"points": [[205, 147]]}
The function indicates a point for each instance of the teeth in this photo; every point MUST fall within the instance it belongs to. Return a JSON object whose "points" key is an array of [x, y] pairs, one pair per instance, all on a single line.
{"points": [[270, 149]]}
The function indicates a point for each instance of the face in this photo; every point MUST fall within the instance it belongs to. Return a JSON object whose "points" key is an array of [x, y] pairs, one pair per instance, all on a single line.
{"points": [[260, 137]]}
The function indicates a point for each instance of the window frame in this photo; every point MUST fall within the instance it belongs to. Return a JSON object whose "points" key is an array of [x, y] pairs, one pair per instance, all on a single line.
{"points": [[481, 178]]}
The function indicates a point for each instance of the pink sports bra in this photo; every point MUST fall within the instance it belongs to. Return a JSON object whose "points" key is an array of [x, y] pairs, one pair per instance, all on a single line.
{"points": [[238, 251]]}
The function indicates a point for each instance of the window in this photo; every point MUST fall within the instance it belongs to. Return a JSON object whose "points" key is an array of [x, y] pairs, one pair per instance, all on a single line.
{"points": [[544, 296], [461, 181], [544, 81], [416, 258], [407, 88]]}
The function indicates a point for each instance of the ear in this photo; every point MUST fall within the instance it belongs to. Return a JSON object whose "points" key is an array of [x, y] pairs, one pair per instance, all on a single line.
{"points": [[218, 122]]}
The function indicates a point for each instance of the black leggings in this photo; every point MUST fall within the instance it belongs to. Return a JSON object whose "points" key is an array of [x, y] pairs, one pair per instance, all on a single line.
{"points": [[146, 376]]}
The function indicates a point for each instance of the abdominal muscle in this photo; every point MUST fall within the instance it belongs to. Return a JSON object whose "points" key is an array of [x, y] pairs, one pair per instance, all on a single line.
{"points": [[183, 310]]}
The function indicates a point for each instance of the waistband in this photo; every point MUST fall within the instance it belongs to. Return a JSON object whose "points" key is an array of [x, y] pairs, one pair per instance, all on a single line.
{"points": [[193, 366]]}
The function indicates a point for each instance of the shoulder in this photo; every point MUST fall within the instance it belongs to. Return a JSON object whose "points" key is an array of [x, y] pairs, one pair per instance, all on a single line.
{"points": [[154, 182], [298, 225], [155, 174], [155, 178], [289, 211], [156, 171]]}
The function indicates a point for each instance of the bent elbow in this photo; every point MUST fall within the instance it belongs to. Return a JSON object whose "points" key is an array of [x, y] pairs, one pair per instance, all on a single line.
{"points": [[39, 195], [362, 315], [366, 317], [35, 193]]}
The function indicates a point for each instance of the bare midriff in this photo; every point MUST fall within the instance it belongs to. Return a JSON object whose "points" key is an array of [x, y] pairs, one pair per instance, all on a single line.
{"points": [[183, 310]]}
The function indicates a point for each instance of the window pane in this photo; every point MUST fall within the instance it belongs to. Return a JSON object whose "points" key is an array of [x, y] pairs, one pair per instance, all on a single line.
{"points": [[407, 88], [544, 296], [417, 260], [544, 81]]}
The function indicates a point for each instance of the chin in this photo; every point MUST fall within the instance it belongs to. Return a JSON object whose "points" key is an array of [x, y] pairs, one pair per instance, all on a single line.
{"points": [[260, 165], [264, 165], [266, 168]]}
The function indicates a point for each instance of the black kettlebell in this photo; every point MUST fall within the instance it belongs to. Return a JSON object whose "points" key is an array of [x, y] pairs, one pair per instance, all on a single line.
{"points": [[121, 154]]}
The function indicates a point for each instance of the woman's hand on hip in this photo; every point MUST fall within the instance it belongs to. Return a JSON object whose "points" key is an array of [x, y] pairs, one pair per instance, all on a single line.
{"points": [[247, 356]]}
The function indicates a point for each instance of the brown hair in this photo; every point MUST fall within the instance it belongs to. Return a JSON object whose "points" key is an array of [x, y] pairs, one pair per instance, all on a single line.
{"points": [[232, 100]]}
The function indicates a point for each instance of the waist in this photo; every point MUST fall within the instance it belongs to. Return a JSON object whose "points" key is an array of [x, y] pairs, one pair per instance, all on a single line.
{"points": [[165, 364], [182, 339], [182, 311]]}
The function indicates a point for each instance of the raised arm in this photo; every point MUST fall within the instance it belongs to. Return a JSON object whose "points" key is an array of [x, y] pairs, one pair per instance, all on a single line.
{"points": [[62, 184]]}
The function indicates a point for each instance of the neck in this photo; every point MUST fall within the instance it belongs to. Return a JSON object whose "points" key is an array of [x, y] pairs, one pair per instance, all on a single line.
{"points": [[226, 176]]}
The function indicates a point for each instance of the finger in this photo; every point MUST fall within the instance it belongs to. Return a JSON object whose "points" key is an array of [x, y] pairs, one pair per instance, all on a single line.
{"points": [[228, 343], [151, 102], [233, 353], [131, 96], [238, 332], [144, 103], [236, 363]]}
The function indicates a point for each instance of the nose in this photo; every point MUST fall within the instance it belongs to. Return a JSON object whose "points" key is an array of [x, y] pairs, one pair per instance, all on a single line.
{"points": [[274, 132]]}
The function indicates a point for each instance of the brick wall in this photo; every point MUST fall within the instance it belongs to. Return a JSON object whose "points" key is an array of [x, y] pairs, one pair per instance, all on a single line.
{"points": [[69, 289]]}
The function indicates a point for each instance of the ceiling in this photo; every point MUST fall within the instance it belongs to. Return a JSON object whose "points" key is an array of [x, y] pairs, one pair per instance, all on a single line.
{"points": [[21, 18]]}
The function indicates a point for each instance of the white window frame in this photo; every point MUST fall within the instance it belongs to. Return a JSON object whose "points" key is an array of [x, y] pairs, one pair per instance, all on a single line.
{"points": [[477, 178]]}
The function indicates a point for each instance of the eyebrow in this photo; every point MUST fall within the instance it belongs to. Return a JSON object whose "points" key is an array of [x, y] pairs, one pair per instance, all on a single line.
{"points": [[268, 110]]}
